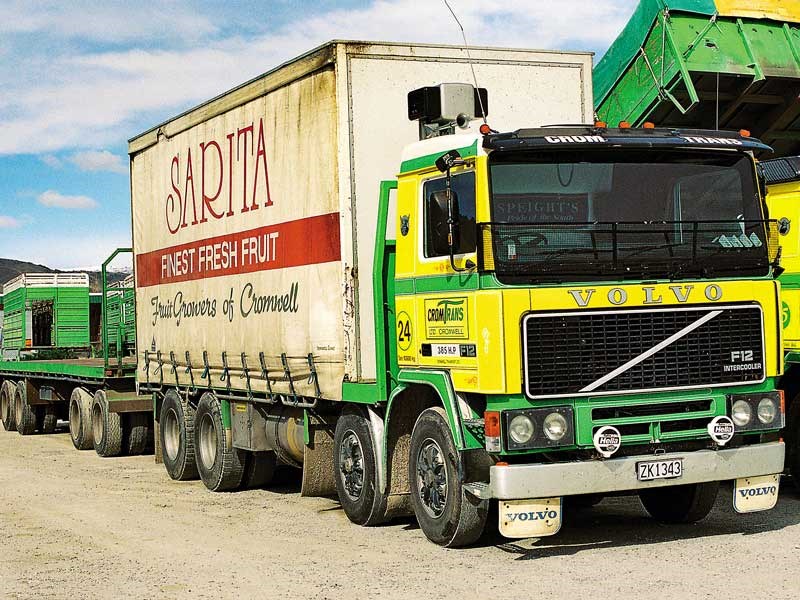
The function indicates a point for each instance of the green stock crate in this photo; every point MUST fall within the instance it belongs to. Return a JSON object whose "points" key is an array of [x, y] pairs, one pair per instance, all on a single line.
{"points": [[46, 310]]}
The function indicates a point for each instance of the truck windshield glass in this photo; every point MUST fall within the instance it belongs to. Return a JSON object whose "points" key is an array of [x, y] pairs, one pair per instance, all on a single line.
{"points": [[623, 214]]}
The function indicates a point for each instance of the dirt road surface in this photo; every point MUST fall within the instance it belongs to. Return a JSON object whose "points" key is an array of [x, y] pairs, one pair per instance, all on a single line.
{"points": [[73, 525]]}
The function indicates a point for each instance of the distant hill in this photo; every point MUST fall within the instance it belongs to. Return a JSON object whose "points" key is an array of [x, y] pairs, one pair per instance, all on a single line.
{"points": [[10, 268]]}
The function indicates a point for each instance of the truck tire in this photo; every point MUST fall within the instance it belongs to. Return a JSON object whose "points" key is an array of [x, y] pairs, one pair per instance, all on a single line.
{"points": [[80, 419], [220, 467], [25, 417], [106, 427], [176, 435], [136, 434], [8, 408], [447, 515], [356, 472], [46, 419], [259, 470], [681, 503]]}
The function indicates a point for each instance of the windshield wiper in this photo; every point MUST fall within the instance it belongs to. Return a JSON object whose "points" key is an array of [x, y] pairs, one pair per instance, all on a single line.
{"points": [[652, 247], [565, 251]]}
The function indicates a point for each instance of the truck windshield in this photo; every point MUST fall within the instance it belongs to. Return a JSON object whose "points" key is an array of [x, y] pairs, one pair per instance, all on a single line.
{"points": [[624, 214]]}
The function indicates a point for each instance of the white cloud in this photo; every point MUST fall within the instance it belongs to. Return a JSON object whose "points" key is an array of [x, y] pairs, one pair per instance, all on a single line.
{"points": [[98, 160], [7, 222], [54, 199], [51, 161], [95, 98], [114, 22]]}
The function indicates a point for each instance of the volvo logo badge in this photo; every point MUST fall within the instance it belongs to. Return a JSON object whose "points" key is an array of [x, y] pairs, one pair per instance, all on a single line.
{"points": [[721, 430], [607, 441]]}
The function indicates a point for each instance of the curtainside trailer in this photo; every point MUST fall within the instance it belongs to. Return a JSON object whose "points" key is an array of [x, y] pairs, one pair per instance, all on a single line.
{"points": [[341, 265]]}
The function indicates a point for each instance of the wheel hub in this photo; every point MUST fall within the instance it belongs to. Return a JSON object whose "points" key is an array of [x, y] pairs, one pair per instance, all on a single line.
{"points": [[208, 442], [432, 478], [351, 465], [172, 434]]}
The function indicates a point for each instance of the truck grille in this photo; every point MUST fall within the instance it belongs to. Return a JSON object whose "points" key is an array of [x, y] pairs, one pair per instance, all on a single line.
{"points": [[602, 352]]}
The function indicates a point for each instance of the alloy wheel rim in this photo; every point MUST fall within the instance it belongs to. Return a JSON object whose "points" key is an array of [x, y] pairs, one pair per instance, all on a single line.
{"points": [[432, 478], [351, 465]]}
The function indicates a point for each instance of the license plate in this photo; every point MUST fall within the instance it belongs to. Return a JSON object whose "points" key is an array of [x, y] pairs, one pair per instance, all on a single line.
{"points": [[659, 469]]}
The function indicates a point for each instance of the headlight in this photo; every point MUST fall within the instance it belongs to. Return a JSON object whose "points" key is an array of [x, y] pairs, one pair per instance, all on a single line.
{"points": [[767, 410], [520, 430], [555, 426], [533, 428], [756, 412], [741, 413]]}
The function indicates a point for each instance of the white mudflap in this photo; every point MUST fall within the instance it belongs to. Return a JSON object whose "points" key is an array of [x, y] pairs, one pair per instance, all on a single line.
{"points": [[530, 518], [751, 494]]}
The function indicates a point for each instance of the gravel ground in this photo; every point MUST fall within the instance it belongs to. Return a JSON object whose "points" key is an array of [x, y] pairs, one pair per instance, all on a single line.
{"points": [[73, 525]]}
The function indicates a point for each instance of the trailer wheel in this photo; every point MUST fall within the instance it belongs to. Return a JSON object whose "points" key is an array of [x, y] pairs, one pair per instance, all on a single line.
{"points": [[681, 503], [447, 515], [220, 466], [80, 419], [356, 473], [259, 470], [136, 434], [176, 434], [25, 416], [46, 419], [106, 427], [8, 408]]}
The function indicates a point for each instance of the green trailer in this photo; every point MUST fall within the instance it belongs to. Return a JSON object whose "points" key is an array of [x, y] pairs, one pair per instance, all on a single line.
{"points": [[50, 371], [721, 64]]}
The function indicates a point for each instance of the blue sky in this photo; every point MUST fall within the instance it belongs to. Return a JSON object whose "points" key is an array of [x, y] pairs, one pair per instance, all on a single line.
{"points": [[79, 78]]}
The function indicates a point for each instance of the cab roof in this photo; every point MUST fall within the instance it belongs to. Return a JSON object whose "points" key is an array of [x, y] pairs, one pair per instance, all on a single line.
{"points": [[573, 137]]}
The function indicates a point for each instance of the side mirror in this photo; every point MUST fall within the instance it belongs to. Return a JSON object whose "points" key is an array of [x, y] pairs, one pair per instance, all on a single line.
{"points": [[440, 214]]}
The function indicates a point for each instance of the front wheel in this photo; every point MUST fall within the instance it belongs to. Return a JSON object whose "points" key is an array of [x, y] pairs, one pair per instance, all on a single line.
{"points": [[447, 515], [681, 503]]}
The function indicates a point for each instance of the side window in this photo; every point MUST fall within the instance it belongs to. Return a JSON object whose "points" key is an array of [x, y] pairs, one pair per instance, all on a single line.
{"points": [[434, 193]]}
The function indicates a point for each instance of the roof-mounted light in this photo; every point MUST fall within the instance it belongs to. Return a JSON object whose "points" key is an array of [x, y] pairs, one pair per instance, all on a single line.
{"points": [[624, 125], [649, 125], [744, 133]]}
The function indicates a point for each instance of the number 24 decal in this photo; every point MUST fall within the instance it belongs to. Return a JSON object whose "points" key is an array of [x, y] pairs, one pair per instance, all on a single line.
{"points": [[404, 331]]}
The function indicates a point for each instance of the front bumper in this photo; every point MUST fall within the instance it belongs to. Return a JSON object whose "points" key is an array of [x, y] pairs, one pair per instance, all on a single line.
{"points": [[520, 482]]}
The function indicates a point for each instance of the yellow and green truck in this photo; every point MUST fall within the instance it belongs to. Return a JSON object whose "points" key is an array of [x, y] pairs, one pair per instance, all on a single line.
{"points": [[783, 199], [427, 316]]}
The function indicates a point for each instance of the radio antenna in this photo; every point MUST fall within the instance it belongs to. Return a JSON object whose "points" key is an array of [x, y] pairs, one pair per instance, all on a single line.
{"points": [[469, 58]]}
